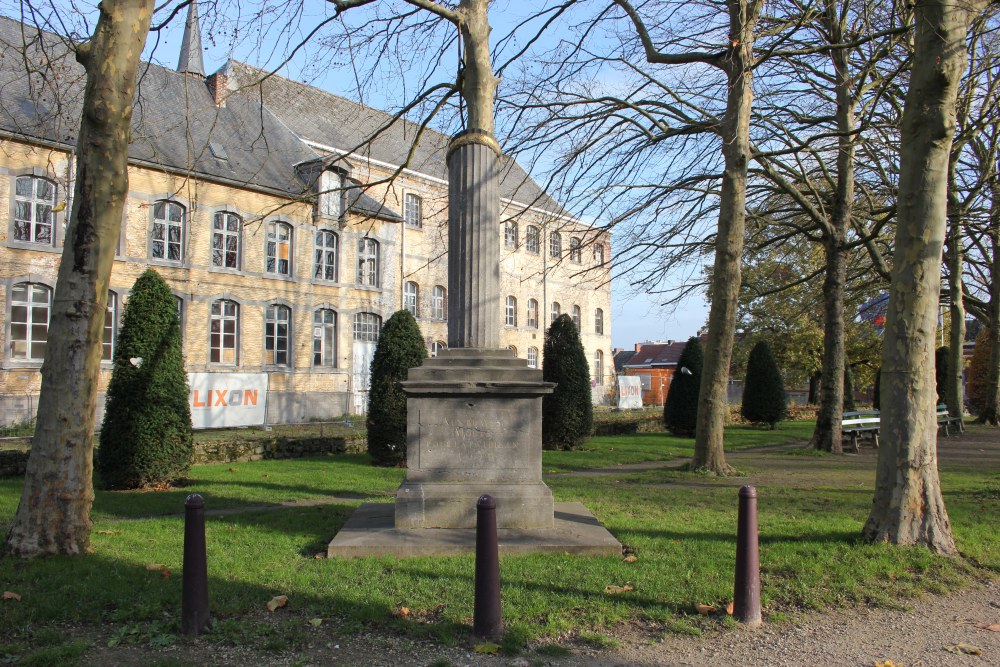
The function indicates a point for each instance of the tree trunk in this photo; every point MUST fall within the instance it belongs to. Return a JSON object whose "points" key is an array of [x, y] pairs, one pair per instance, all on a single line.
{"points": [[827, 434], [908, 507], [478, 84], [991, 404], [712, 401], [953, 397], [54, 513]]}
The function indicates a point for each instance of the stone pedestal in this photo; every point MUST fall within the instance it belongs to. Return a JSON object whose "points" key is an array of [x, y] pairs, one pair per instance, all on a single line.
{"points": [[474, 426]]}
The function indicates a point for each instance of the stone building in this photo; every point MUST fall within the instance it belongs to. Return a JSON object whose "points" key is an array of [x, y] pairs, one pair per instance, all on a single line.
{"points": [[286, 236]]}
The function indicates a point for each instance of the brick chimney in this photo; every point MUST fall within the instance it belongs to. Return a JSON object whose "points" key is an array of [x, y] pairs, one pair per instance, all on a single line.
{"points": [[218, 86]]}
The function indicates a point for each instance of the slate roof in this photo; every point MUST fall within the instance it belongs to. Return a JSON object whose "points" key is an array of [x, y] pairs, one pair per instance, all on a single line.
{"points": [[658, 354], [622, 358]]}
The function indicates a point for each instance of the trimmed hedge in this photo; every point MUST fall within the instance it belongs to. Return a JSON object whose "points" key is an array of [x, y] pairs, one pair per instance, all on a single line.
{"points": [[764, 400], [567, 413], [680, 410]]}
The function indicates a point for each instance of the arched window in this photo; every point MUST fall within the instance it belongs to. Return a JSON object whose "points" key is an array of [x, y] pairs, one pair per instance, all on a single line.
{"points": [[368, 262], [510, 234], [510, 312], [224, 333], [533, 240], [30, 306], [532, 357], [437, 346], [599, 321], [34, 198], [279, 248], [325, 263], [277, 323], [367, 327], [325, 338], [512, 349], [411, 297], [555, 245], [599, 367], [577, 317], [556, 310], [438, 302], [168, 231], [331, 196], [532, 313], [227, 240], [575, 253], [413, 212], [110, 328]]}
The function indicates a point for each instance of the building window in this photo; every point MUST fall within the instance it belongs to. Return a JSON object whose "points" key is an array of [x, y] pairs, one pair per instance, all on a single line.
{"points": [[227, 232], [368, 251], [510, 234], [367, 327], [411, 297], [279, 248], [577, 317], [412, 210], [325, 266], [575, 253], [30, 304], [276, 325], [598, 254], [325, 338], [532, 314], [110, 328], [438, 301], [224, 335], [510, 313], [555, 245], [556, 310], [533, 240], [599, 321], [34, 199], [168, 231], [437, 346], [532, 357], [331, 195], [599, 367]]}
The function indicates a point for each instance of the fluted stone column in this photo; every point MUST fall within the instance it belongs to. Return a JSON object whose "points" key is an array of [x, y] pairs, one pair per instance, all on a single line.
{"points": [[473, 250]]}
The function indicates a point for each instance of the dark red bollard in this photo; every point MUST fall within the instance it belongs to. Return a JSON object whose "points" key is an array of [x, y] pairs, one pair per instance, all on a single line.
{"points": [[746, 599], [194, 594], [486, 621]]}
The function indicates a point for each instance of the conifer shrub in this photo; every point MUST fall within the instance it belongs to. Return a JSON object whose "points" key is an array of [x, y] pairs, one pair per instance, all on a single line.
{"points": [[567, 413], [764, 400], [680, 411], [146, 438], [400, 347], [941, 372], [979, 367]]}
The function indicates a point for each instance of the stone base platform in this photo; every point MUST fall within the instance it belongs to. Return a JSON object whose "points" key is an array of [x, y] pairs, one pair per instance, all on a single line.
{"points": [[371, 531]]}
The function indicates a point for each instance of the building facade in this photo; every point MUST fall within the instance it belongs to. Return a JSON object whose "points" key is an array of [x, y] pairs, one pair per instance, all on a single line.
{"points": [[286, 237]]}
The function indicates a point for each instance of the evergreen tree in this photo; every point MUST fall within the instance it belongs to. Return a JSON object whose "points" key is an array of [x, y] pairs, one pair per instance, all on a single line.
{"points": [[146, 438], [400, 348], [941, 371], [680, 411], [567, 413], [979, 371], [764, 399]]}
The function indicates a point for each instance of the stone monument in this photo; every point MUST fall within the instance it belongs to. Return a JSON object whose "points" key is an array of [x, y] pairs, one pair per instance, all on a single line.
{"points": [[474, 413]]}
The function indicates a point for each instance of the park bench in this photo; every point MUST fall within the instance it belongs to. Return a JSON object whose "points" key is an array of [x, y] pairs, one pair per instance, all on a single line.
{"points": [[859, 422], [945, 420]]}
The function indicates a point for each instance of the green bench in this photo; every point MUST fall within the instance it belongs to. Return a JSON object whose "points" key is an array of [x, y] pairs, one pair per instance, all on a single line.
{"points": [[945, 420]]}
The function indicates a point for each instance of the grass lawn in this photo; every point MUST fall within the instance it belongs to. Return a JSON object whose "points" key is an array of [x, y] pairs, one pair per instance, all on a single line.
{"points": [[679, 525]]}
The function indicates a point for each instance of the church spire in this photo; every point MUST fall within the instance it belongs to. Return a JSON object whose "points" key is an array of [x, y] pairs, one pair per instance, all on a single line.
{"points": [[190, 60]]}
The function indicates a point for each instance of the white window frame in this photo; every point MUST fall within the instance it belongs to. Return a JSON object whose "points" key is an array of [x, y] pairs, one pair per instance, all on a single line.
{"points": [[273, 253], [533, 240], [599, 321], [532, 357], [413, 213], [109, 338], [32, 305], [324, 338], [163, 225], [411, 297], [599, 366], [510, 234], [575, 251], [369, 251], [439, 302], [577, 317], [325, 258], [532, 313], [224, 325], [555, 245], [510, 311], [277, 345], [222, 236], [555, 311], [331, 194], [38, 207], [367, 327]]}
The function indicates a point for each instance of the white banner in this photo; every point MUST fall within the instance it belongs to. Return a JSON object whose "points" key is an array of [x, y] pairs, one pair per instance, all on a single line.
{"points": [[629, 392], [219, 400]]}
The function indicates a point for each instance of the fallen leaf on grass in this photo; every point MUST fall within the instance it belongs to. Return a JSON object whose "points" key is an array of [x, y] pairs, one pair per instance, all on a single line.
{"points": [[277, 602], [164, 573], [489, 648], [7, 595], [155, 567], [630, 559], [265, 475], [615, 590], [729, 608], [315, 622], [706, 609], [992, 627], [107, 532], [233, 469], [964, 649], [402, 611]]}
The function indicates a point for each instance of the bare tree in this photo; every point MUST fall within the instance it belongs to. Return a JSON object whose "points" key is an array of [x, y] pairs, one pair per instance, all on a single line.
{"points": [[53, 515]]}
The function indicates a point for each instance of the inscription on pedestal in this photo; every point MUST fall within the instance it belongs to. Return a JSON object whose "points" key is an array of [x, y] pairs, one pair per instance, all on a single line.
{"points": [[471, 442]]}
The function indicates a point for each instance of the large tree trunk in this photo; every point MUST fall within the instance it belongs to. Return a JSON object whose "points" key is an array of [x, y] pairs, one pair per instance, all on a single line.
{"points": [[953, 397], [908, 507], [991, 404], [54, 513], [827, 434], [479, 84], [712, 401]]}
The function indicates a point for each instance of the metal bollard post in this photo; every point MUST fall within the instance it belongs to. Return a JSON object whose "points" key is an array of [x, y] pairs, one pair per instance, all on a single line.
{"points": [[194, 593], [746, 599], [486, 621]]}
